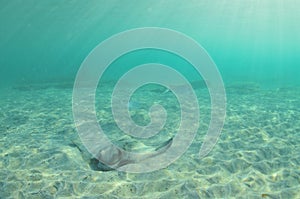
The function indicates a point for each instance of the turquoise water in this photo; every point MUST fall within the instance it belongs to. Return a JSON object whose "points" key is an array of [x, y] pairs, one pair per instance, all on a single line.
{"points": [[255, 45], [253, 40]]}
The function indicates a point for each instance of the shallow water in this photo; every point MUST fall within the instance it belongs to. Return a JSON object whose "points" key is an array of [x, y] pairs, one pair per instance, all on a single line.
{"points": [[257, 153], [255, 45]]}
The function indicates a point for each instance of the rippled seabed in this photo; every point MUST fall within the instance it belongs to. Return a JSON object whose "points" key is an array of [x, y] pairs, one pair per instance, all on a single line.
{"points": [[257, 155]]}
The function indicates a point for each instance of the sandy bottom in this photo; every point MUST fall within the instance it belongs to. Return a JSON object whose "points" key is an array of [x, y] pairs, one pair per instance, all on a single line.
{"points": [[257, 155]]}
